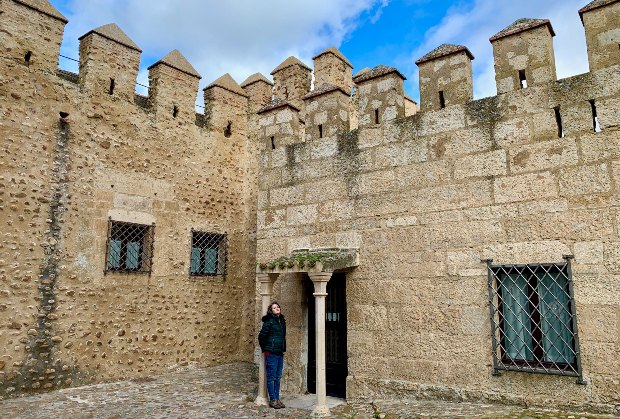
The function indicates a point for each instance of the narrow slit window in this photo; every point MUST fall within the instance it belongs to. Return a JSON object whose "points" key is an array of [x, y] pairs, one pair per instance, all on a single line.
{"points": [[596, 126], [442, 100], [558, 121], [376, 116], [228, 130], [273, 143], [320, 130], [522, 79], [175, 111], [112, 86], [27, 57]]}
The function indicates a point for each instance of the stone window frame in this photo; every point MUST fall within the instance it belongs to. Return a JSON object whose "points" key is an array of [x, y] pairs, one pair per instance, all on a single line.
{"points": [[129, 247], [208, 254], [533, 319]]}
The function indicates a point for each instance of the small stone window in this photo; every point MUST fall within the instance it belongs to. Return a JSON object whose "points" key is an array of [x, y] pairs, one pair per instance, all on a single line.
{"points": [[595, 123], [27, 57], [442, 100], [522, 79], [130, 247], [209, 253], [558, 121], [533, 318], [320, 130], [228, 129]]}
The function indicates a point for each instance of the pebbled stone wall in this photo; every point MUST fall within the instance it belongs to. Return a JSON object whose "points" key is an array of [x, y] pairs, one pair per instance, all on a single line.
{"points": [[63, 320]]}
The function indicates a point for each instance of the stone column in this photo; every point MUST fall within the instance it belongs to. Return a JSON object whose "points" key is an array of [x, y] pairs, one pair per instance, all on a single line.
{"points": [[320, 292], [266, 292]]}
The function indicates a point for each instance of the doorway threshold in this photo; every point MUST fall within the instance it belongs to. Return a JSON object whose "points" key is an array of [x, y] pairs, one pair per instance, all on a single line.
{"points": [[308, 401]]}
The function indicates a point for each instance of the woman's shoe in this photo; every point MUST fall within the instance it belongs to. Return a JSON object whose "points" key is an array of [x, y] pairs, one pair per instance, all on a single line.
{"points": [[274, 404], [280, 404]]}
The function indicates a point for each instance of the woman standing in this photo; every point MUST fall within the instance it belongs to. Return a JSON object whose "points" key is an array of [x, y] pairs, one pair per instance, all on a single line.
{"points": [[272, 341]]}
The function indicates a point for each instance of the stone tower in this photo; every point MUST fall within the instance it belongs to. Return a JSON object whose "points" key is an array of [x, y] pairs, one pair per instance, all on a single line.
{"points": [[445, 77], [516, 66], [292, 80]]}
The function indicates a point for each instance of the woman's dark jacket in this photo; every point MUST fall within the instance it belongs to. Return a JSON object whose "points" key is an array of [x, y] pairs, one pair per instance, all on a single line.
{"points": [[272, 336]]}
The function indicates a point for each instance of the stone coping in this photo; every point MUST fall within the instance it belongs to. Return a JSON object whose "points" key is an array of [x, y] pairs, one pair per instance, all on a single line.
{"points": [[44, 7], [325, 88], [443, 51], [409, 98], [522, 25], [177, 61], [312, 260], [290, 61], [226, 82], [334, 51], [277, 103], [378, 71], [114, 33], [595, 5], [255, 78], [362, 71]]}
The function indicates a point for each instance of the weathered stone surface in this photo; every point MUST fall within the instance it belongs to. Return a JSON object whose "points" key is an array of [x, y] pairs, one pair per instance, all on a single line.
{"points": [[424, 198], [525, 187], [112, 158], [492, 163]]}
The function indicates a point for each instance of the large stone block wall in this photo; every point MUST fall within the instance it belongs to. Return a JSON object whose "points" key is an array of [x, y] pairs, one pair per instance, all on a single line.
{"points": [[425, 199], [63, 321]]}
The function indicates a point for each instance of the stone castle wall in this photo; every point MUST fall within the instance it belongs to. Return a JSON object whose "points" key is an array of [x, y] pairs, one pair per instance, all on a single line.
{"points": [[426, 198], [121, 157], [526, 176]]}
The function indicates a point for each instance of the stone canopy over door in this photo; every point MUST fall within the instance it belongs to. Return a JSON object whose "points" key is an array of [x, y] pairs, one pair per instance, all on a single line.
{"points": [[320, 265]]}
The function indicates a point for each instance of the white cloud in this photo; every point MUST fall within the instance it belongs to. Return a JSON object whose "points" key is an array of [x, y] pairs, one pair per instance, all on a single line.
{"points": [[239, 37], [474, 24]]}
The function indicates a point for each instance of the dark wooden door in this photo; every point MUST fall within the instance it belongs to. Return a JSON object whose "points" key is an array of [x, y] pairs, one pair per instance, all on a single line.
{"points": [[335, 336]]}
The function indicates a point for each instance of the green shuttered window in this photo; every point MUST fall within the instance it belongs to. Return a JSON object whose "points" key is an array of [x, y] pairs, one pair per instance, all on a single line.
{"points": [[208, 254], [130, 247], [533, 318]]}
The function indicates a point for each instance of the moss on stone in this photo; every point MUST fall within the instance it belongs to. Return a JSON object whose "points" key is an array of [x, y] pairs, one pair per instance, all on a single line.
{"points": [[330, 259]]}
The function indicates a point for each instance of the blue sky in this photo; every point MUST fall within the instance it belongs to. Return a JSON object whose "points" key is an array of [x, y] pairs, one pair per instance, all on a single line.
{"points": [[242, 37]]}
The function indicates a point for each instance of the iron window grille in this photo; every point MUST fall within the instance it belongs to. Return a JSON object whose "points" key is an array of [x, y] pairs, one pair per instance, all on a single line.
{"points": [[208, 254], [533, 321], [130, 247]]}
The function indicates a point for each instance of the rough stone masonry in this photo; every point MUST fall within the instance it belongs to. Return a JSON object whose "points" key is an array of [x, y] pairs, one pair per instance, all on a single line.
{"points": [[523, 178]]}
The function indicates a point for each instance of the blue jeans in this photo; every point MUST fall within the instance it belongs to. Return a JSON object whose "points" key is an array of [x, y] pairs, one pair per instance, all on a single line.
{"points": [[273, 369]]}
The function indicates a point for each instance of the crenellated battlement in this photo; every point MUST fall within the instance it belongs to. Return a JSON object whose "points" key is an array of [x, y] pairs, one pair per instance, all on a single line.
{"points": [[108, 65], [524, 59], [32, 34], [109, 62], [445, 77], [173, 83]]}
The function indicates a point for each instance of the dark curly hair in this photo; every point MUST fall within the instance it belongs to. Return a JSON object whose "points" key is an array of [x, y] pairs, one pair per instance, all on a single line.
{"points": [[270, 309]]}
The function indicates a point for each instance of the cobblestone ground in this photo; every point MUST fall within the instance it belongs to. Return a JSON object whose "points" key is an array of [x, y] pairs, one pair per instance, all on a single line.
{"points": [[227, 392]]}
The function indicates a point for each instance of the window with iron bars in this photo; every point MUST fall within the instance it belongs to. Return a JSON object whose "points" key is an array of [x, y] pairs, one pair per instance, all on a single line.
{"points": [[208, 257], [533, 320], [130, 247]]}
